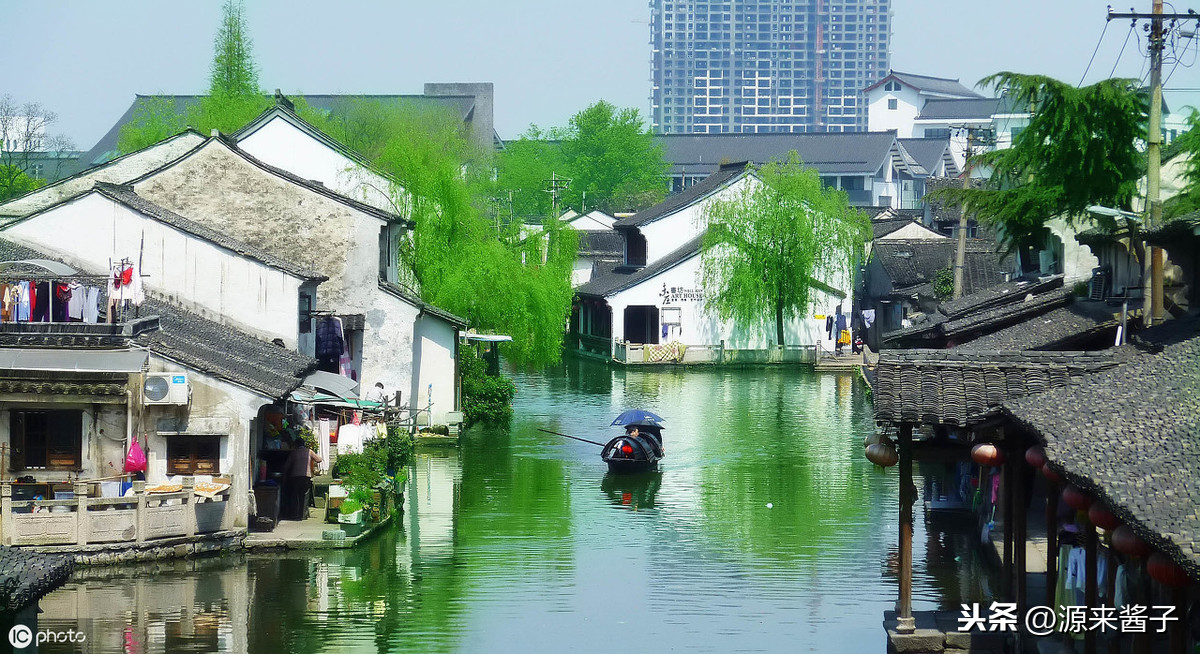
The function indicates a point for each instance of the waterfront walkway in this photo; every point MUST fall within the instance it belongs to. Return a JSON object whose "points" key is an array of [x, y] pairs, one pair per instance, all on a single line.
{"points": [[306, 535]]}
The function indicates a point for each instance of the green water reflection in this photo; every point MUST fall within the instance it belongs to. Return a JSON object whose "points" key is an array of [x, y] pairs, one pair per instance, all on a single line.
{"points": [[764, 530]]}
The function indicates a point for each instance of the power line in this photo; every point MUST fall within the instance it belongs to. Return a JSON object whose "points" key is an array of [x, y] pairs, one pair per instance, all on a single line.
{"points": [[1089, 65], [1122, 52]]}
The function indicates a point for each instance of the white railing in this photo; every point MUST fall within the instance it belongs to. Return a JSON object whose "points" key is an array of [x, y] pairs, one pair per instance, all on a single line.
{"points": [[137, 518], [636, 353]]}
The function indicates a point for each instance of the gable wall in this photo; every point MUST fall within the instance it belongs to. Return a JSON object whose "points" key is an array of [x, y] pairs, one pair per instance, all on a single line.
{"points": [[668, 233], [882, 119], [217, 283], [283, 145], [116, 172]]}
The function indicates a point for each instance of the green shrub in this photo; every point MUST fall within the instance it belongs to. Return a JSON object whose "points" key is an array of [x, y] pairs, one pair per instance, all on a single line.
{"points": [[399, 447], [486, 399], [350, 506], [1080, 289], [943, 283]]}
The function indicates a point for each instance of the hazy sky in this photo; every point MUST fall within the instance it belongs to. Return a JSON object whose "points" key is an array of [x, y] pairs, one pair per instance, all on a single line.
{"points": [[85, 59]]}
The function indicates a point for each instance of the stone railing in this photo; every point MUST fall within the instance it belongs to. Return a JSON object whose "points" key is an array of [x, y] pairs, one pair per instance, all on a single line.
{"points": [[636, 353], [137, 518]]}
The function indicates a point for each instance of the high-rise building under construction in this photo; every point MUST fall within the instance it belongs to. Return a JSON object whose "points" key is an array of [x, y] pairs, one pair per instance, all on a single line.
{"points": [[765, 65]]}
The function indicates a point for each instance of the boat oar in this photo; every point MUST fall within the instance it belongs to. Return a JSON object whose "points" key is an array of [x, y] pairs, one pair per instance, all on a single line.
{"points": [[571, 437]]}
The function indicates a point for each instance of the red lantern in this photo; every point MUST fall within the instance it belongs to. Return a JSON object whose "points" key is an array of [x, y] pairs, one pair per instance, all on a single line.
{"points": [[1127, 542], [987, 454], [1049, 473], [882, 454], [1076, 499], [627, 449], [1036, 456], [1166, 571], [1102, 517]]}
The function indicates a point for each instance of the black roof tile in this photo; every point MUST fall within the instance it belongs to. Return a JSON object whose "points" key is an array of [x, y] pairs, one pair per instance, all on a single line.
{"points": [[26, 576], [952, 387], [1131, 436], [726, 175]]}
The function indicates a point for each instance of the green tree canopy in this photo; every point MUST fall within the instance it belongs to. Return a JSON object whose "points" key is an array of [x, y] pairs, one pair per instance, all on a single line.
{"points": [[1079, 149], [1187, 145], [455, 256], [609, 155], [768, 246], [14, 182]]}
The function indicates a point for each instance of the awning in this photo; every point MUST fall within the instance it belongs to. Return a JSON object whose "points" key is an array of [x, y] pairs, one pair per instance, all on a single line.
{"points": [[48, 264], [487, 338], [338, 385], [55, 360], [307, 395]]}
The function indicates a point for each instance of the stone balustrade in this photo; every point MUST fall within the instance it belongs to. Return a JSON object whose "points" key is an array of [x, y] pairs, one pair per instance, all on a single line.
{"points": [[138, 518]]}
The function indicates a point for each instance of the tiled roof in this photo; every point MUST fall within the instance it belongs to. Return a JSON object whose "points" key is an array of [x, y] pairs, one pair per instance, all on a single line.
{"points": [[943, 85], [695, 193], [965, 388], [26, 576], [1131, 436], [608, 280], [1007, 314], [1055, 329], [960, 109], [998, 294], [106, 147], [201, 344], [596, 244], [929, 152], [831, 153], [914, 262], [880, 228], [223, 352]]}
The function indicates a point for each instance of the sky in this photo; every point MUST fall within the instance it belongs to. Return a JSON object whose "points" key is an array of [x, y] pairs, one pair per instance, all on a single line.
{"points": [[85, 59]]}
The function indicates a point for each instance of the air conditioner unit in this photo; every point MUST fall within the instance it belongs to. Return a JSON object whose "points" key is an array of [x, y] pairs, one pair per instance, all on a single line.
{"points": [[166, 388]]}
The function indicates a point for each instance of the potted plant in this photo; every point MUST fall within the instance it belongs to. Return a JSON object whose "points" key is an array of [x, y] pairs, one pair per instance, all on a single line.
{"points": [[350, 513]]}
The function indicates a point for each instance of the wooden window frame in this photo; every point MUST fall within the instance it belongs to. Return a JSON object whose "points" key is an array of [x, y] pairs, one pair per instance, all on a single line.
{"points": [[57, 436], [189, 462]]}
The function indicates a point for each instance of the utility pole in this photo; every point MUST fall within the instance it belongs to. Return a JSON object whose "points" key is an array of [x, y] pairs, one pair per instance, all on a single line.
{"points": [[556, 185], [974, 135], [1152, 264]]}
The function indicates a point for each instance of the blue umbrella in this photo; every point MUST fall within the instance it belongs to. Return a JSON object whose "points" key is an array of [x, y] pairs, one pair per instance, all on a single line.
{"points": [[637, 417]]}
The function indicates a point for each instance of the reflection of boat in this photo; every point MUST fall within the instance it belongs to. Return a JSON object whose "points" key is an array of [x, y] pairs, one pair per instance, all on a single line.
{"points": [[637, 450], [635, 491]]}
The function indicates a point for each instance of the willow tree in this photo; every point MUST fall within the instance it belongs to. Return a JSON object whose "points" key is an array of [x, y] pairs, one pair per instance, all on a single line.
{"points": [[1079, 149], [456, 257], [772, 245]]}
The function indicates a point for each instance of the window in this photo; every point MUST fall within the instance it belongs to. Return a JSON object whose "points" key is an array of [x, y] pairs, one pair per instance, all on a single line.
{"points": [[306, 305], [48, 440], [671, 315], [892, 103], [937, 132], [193, 455]]}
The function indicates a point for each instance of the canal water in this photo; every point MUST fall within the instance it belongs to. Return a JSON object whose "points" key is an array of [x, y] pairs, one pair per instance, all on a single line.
{"points": [[764, 531]]}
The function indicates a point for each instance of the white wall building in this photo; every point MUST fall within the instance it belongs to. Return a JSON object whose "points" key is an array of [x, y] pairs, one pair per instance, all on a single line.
{"points": [[654, 299], [894, 102]]}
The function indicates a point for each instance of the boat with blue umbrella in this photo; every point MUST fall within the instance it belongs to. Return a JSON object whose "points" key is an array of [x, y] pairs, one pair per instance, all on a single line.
{"points": [[639, 448]]}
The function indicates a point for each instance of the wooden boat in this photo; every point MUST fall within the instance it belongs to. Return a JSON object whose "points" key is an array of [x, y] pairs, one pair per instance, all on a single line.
{"points": [[630, 454]]}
